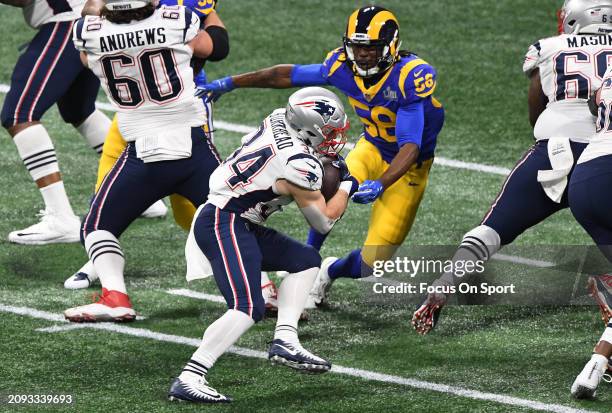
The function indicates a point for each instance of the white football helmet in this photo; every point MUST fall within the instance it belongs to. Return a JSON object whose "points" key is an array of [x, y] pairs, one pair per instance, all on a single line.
{"points": [[586, 16], [318, 117]]}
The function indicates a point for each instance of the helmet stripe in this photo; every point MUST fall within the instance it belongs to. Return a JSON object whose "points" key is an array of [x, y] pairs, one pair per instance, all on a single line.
{"points": [[378, 22], [352, 24]]}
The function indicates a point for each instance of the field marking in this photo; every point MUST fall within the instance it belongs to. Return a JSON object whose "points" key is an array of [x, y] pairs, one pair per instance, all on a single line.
{"points": [[348, 371], [522, 260], [184, 292], [236, 127]]}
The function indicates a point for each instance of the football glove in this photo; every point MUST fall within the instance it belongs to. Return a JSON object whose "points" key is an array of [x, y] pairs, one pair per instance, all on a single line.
{"points": [[345, 175], [213, 90], [368, 192]]}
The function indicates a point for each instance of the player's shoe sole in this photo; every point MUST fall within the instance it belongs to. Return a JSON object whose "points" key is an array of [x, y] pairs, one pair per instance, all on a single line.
{"points": [[97, 315], [602, 296], [425, 318]]}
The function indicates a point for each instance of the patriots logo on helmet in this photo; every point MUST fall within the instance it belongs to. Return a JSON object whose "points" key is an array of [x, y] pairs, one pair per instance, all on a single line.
{"points": [[321, 107]]}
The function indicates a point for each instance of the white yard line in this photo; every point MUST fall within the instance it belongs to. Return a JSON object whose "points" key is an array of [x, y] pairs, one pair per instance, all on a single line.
{"points": [[238, 128], [348, 371], [184, 292]]}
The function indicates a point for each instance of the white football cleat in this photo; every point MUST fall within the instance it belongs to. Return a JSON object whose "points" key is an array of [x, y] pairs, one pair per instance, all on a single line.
{"points": [[51, 229], [322, 284], [156, 210], [585, 385], [111, 306], [83, 278], [270, 296]]}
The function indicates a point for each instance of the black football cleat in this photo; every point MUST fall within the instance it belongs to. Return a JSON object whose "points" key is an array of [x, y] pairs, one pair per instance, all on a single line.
{"points": [[425, 318], [195, 391], [297, 357]]}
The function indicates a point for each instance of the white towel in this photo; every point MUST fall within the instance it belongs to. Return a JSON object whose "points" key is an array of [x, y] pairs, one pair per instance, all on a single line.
{"points": [[166, 145], [198, 266], [561, 158]]}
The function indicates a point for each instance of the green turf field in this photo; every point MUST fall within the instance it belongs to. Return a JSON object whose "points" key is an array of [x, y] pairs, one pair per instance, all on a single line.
{"points": [[485, 359]]}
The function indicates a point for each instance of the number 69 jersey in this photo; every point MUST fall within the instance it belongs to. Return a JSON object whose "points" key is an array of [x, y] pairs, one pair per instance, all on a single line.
{"points": [[245, 182], [571, 69], [144, 68]]}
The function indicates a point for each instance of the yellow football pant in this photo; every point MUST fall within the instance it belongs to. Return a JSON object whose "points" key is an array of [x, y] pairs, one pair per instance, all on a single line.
{"points": [[394, 212], [182, 208]]}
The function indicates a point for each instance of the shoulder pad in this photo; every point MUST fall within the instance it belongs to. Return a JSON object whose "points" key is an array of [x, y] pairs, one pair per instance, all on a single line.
{"points": [[417, 79], [532, 58], [304, 170], [84, 30], [333, 61]]}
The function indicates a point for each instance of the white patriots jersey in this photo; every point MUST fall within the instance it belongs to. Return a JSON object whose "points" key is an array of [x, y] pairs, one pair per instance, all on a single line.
{"points": [[39, 12], [571, 69], [601, 144], [144, 68], [245, 182]]}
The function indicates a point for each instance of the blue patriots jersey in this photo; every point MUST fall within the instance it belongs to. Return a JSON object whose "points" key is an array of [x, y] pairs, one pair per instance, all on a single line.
{"points": [[202, 7], [410, 80]]}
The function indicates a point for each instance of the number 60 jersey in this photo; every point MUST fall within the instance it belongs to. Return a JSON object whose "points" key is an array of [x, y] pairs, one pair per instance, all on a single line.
{"points": [[571, 69], [144, 68]]}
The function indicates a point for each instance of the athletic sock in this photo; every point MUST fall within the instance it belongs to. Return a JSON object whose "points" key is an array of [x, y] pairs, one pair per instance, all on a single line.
{"points": [[292, 295], [56, 199], [193, 369], [348, 267], [105, 252], [36, 151], [221, 335], [316, 239], [94, 129]]}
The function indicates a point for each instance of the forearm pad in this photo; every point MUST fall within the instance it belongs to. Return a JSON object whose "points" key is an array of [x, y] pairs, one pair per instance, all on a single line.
{"points": [[220, 41]]}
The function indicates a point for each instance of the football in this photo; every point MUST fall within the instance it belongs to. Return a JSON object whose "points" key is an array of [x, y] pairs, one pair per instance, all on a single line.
{"points": [[331, 178]]}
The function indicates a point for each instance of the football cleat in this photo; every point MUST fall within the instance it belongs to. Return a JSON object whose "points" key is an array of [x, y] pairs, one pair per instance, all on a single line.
{"points": [[607, 377], [83, 278], [585, 385], [156, 210], [600, 288], [270, 295], [427, 314], [297, 357], [51, 229], [111, 306], [195, 390], [322, 284]]}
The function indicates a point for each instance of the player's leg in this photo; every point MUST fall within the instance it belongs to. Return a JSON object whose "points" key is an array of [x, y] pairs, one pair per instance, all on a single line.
{"points": [[78, 107], [127, 190], [520, 204], [586, 383], [41, 76], [234, 255], [301, 262]]}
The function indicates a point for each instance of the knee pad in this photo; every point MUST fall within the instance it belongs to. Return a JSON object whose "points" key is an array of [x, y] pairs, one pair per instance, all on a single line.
{"points": [[482, 241]]}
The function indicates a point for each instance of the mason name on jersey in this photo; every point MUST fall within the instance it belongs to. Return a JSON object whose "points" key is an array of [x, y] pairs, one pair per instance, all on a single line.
{"points": [[571, 68], [245, 182]]}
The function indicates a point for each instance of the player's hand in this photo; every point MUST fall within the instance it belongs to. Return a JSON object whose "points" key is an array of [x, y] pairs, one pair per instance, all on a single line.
{"points": [[368, 192], [345, 176], [213, 90]]}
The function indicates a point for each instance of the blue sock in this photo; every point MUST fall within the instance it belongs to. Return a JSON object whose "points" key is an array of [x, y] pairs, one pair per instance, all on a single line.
{"points": [[347, 267], [315, 239]]}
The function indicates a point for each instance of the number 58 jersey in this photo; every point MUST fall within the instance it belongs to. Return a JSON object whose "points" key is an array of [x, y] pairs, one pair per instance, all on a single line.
{"points": [[571, 69], [245, 182], [144, 68]]}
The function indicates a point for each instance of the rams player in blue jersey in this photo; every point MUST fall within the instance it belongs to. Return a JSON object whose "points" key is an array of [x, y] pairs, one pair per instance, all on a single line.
{"points": [[392, 93]]}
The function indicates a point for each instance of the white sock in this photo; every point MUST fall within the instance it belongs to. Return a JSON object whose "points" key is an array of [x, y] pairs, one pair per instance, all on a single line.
{"points": [[607, 334], [600, 361], [94, 129], [265, 280], [37, 152], [105, 252], [292, 295], [221, 335], [56, 199]]}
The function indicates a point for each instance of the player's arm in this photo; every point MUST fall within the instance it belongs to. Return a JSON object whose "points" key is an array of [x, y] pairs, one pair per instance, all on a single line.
{"points": [[16, 3], [536, 99], [92, 8], [320, 215], [274, 77], [212, 43]]}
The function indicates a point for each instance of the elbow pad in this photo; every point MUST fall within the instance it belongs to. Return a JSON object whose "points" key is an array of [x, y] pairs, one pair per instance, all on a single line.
{"points": [[220, 41], [317, 219]]}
